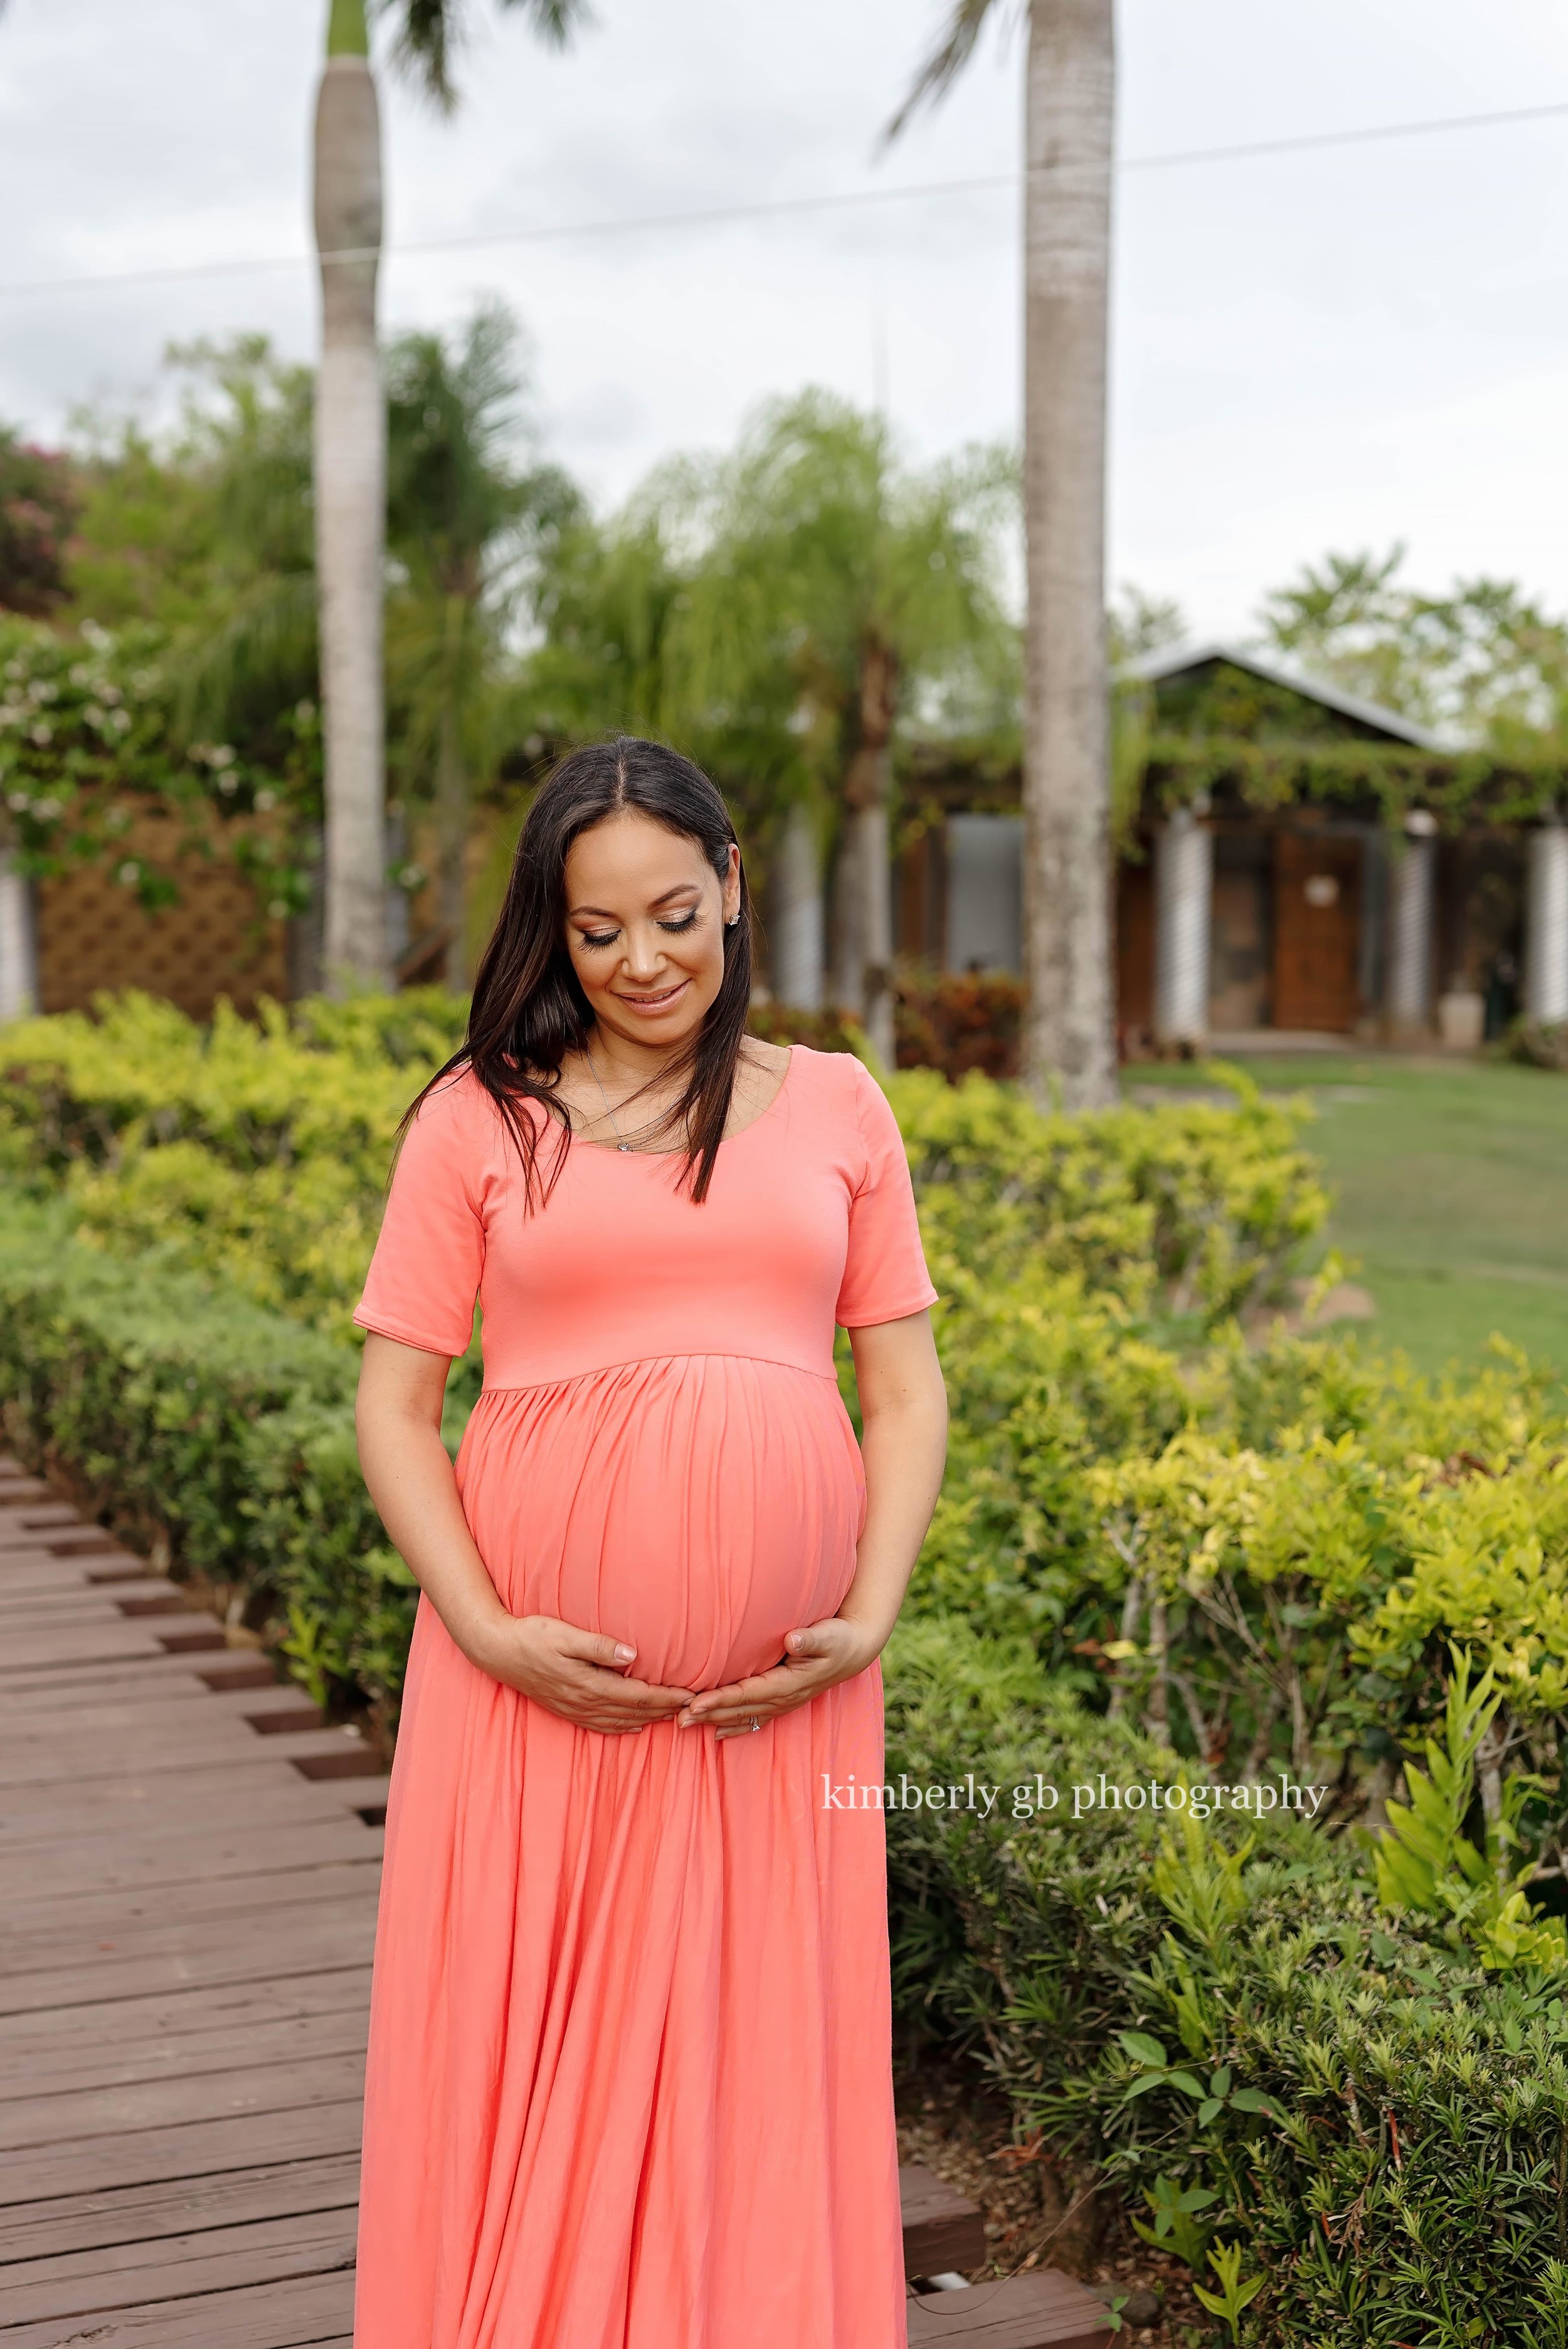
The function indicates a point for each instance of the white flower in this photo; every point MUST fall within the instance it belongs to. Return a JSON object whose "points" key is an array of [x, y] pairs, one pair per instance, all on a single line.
{"points": [[93, 715], [222, 756], [121, 720], [18, 802], [42, 734], [47, 807], [129, 872], [228, 785], [266, 800]]}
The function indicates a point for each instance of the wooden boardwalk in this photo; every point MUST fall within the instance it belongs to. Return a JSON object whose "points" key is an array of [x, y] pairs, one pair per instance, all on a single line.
{"points": [[188, 1865]]}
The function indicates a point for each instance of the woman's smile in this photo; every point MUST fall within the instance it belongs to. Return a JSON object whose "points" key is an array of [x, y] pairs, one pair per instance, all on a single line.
{"points": [[652, 1000]]}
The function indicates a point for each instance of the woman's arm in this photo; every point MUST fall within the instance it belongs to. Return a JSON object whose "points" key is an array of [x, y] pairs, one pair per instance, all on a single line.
{"points": [[903, 1442], [579, 1674]]}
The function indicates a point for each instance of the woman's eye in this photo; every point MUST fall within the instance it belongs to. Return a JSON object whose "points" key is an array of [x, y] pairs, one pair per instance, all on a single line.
{"points": [[598, 938], [686, 922]]}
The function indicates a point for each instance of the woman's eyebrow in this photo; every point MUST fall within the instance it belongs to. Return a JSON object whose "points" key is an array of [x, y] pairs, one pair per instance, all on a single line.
{"points": [[604, 914]]}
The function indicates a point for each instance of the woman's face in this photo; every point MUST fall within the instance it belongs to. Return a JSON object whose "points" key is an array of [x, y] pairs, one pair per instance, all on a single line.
{"points": [[645, 927]]}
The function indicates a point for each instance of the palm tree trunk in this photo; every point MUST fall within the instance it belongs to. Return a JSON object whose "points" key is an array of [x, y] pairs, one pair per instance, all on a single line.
{"points": [[452, 808], [18, 944], [797, 893], [351, 504], [868, 900], [1069, 1033]]}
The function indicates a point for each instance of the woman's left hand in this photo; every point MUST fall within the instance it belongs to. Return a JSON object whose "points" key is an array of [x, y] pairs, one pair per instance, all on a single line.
{"points": [[818, 1658]]}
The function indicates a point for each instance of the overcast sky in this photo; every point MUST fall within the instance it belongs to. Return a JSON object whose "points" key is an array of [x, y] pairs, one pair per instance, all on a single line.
{"points": [[1336, 349]]}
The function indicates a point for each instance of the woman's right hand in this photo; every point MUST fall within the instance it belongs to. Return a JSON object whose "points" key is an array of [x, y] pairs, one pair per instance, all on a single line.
{"points": [[580, 1675]]}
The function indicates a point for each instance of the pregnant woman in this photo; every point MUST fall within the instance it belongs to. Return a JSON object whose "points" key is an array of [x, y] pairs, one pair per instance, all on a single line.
{"points": [[630, 2074]]}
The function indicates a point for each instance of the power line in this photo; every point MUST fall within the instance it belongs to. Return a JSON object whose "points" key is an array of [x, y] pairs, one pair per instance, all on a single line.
{"points": [[777, 208]]}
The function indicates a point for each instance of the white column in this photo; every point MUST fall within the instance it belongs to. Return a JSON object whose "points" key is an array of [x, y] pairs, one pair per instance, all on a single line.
{"points": [[1546, 924], [1412, 889], [18, 962], [798, 929], [1183, 886]]}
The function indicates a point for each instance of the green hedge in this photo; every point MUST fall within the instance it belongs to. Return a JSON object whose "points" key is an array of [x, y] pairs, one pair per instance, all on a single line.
{"points": [[198, 1420], [1387, 2152]]}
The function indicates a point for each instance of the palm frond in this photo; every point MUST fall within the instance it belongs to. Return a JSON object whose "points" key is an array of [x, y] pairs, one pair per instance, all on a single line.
{"points": [[429, 35], [946, 63]]}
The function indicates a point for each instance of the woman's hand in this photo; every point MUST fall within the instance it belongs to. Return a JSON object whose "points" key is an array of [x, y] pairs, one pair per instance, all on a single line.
{"points": [[819, 1657], [580, 1675]]}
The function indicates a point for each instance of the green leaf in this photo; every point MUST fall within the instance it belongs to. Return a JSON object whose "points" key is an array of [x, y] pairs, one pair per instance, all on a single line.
{"points": [[1147, 2049]]}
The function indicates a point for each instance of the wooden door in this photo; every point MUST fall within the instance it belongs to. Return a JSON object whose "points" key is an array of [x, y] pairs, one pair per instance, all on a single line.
{"points": [[1134, 951], [1317, 931]]}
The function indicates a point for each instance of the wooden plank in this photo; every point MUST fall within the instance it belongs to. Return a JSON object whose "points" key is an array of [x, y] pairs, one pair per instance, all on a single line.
{"points": [[188, 2149], [79, 2120], [333, 1752], [171, 1851], [178, 1802], [63, 1645], [261, 1783], [1022, 2311], [31, 1936], [298, 2312], [143, 1679], [189, 1891], [170, 2208], [311, 1939], [222, 2259], [944, 2231], [125, 2039]]}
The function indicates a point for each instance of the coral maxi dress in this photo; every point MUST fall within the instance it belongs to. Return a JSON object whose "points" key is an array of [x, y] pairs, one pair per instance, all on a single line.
{"points": [[630, 2075]]}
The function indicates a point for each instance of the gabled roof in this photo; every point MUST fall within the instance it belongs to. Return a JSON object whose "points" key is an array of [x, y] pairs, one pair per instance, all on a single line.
{"points": [[1175, 660]]}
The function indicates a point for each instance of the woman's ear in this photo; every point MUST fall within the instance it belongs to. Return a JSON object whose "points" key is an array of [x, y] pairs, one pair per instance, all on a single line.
{"points": [[732, 886]]}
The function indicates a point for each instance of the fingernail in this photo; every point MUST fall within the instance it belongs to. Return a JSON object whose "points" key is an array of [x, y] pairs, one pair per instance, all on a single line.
{"points": [[623, 1653]]}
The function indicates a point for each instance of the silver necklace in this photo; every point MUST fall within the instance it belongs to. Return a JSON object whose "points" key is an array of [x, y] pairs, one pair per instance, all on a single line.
{"points": [[620, 1143]]}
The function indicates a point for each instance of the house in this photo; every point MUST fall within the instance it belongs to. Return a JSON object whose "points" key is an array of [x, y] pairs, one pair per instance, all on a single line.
{"points": [[1294, 859]]}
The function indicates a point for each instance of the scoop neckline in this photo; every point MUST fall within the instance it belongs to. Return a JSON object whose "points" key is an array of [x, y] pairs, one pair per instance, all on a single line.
{"points": [[613, 1149]]}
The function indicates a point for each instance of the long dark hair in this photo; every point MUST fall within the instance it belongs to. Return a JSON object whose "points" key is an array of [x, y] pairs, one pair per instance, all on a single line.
{"points": [[529, 1010]]}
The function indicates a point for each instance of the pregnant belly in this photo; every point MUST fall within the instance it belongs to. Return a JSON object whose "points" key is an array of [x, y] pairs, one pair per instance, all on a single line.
{"points": [[700, 1507]]}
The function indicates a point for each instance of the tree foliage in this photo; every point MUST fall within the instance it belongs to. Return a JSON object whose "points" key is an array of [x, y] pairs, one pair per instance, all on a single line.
{"points": [[38, 499], [1484, 662]]}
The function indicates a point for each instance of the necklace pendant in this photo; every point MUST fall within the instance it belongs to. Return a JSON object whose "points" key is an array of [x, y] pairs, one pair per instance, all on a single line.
{"points": [[622, 1145]]}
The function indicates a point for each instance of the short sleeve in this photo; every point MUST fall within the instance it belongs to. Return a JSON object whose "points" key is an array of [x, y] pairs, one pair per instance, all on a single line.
{"points": [[425, 1272], [884, 1274]]}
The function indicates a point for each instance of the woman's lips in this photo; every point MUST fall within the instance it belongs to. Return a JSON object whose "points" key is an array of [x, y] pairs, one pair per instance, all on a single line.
{"points": [[659, 1002]]}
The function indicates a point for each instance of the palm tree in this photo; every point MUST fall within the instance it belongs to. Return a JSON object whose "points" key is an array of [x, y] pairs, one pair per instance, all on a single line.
{"points": [[465, 525], [829, 559], [351, 448], [1070, 1036]]}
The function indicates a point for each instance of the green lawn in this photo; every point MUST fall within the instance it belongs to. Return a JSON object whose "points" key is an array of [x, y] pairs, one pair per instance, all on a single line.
{"points": [[1452, 1192]]}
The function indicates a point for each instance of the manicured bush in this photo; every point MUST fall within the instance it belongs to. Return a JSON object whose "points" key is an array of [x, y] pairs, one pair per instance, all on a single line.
{"points": [[1350, 2114], [213, 1431], [958, 1020]]}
